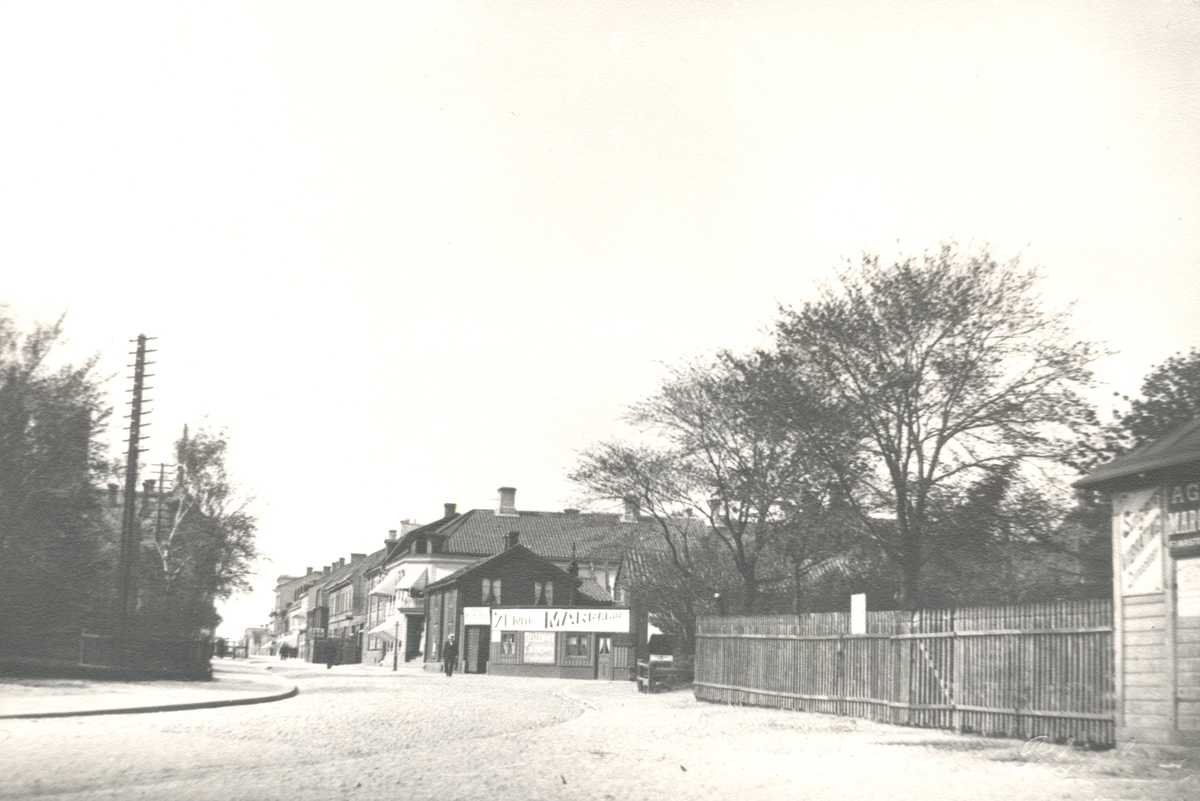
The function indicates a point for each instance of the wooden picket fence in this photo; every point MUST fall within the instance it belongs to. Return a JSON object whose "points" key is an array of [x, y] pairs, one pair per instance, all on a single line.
{"points": [[1022, 670]]}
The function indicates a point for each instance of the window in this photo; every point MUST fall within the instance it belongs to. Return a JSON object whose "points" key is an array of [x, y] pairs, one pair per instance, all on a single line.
{"points": [[491, 591], [508, 643], [543, 593], [577, 645]]}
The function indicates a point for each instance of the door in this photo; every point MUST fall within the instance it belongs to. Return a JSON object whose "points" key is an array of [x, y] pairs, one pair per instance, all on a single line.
{"points": [[476, 653], [604, 657]]}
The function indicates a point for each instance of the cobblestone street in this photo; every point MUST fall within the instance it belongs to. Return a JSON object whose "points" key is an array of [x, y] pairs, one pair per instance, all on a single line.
{"points": [[421, 736]]}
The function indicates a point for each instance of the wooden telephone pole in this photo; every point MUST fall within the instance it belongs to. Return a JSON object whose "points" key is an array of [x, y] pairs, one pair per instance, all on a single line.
{"points": [[130, 530]]}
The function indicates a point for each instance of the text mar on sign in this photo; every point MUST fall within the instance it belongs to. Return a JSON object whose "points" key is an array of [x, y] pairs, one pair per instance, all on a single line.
{"points": [[606, 620]]}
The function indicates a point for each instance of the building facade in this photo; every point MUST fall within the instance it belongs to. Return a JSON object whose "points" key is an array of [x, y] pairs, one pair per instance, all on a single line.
{"points": [[1155, 496]]}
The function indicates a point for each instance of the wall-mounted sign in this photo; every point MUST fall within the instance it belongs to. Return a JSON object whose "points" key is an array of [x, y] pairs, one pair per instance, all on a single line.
{"points": [[477, 616], [539, 647], [1183, 518], [1137, 526], [535, 619], [1187, 588]]}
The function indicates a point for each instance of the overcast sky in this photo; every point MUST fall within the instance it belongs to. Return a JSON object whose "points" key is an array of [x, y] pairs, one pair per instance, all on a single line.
{"points": [[410, 252]]}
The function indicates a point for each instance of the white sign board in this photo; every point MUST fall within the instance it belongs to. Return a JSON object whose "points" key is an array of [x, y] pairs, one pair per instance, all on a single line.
{"points": [[1187, 587], [1137, 528], [858, 613], [544, 619], [539, 647], [477, 616]]}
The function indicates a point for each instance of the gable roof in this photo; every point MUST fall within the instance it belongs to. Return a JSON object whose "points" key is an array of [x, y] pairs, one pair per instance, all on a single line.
{"points": [[1178, 447], [553, 535], [361, 567], [517, 552]]}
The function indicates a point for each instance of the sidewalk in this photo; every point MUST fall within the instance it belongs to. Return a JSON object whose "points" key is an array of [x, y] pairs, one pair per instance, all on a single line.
{"points": [[233, 683]]}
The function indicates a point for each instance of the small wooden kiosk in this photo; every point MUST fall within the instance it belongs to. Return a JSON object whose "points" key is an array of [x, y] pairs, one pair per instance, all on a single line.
{"points": [[1155, 492]]}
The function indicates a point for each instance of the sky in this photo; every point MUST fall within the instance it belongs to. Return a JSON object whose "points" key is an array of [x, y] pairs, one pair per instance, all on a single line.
{"points": [[408, 253]]}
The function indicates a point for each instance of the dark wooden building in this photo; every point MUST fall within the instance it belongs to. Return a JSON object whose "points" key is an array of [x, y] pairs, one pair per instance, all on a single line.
{"points": [[1155, 494], [516, 613]]}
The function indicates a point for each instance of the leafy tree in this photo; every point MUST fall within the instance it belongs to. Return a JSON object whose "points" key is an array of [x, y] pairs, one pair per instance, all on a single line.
{"points": [[199, 537], [51, 542], [950, 368], [1170, 398]]}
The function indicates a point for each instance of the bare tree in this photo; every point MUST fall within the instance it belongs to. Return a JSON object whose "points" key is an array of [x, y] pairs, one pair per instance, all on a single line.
{"points": [[730, 457], [950, 367]]}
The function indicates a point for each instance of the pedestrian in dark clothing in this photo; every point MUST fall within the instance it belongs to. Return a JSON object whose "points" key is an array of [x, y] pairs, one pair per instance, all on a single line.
{"points": [[449, 656]]}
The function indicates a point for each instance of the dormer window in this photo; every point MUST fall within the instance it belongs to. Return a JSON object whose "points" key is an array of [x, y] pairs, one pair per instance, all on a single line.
{"points": [[421, 546]]}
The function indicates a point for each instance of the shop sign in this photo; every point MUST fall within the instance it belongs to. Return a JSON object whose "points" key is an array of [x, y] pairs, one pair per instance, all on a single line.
{"points": [[539, 647], [1137, 520], [1183, 518], [608, 620], [477, 616]]}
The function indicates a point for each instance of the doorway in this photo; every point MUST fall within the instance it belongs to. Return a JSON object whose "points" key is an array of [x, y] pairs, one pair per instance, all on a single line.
{"points": [[475, 653], [604, 657]]}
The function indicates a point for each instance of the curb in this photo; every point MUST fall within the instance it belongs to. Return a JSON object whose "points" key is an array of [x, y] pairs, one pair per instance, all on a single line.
{"points": [[135, 710]]}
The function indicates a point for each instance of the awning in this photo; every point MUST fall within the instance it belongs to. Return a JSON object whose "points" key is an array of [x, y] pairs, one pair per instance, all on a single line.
{"points": [[411, 578], [387, 629], [388, 585]]}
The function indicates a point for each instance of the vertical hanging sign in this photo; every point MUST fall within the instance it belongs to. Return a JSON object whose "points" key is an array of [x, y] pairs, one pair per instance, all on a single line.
{"points": [[1137, 526]]}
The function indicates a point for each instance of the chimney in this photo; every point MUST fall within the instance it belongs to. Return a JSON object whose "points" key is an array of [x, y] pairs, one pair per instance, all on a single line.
{"points": [[511, 538], [354, 557], [573, 569], [341, 562], [508, 501], [448, 509], [309, 573], [571, 512], [631, 509], [391, 533], [325, 570], [113, 496], [714, 506], [148, 486]]}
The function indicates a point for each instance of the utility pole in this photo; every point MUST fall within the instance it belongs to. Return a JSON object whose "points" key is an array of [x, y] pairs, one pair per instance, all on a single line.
{"points": [[396, 647], [130, 531]]}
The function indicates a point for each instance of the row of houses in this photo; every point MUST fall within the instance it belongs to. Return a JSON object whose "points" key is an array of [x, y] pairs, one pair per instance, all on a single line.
{"points": [[488, 576]]}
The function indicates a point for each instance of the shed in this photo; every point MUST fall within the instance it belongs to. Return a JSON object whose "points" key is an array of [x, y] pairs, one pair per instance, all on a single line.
{"points": [[1155, 493]]}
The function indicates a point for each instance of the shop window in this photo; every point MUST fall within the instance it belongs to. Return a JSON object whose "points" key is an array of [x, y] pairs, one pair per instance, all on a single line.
{"points": [[508, 643], [577, 645]]}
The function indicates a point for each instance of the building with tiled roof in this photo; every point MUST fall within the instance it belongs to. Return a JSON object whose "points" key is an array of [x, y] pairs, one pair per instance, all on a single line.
{"points": [[592, 541]]}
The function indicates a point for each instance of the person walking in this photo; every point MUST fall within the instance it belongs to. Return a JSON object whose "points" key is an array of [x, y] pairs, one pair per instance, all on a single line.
{"points": [[449, 656]]}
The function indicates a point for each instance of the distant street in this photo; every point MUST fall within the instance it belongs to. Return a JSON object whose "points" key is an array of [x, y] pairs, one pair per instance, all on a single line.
{"points": [[414, 735]]}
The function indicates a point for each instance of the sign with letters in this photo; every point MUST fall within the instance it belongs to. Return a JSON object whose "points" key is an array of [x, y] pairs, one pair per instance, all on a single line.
{"points": [[477, 616], [1137, 527], [539, 647], [548, 619], [1183, 518]]}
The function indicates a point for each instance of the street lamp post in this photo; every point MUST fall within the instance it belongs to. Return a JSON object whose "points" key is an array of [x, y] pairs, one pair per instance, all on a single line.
{"points": [[396, 647]]}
